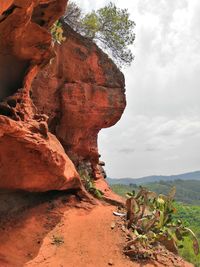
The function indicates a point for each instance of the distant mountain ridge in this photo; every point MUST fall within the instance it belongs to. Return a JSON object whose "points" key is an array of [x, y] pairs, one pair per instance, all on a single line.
{"points": [[155, 178]]}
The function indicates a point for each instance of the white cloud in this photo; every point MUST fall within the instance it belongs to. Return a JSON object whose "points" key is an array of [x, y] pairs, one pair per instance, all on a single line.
{"points": [[154, 140], [159, 132], [152, 134]]}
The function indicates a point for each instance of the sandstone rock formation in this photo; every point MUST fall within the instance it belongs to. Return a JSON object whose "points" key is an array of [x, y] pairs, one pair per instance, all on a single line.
{"points": [[30, 157], [50, 116], [82, 91]]}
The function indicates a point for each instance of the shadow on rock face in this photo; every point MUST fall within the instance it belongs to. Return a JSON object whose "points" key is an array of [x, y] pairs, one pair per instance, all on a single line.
{"points": [[12, 72], [25, 220]]}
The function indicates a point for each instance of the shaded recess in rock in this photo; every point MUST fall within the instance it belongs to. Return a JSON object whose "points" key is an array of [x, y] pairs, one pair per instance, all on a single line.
{"points": [[12, 203], [12, 73], [7, 12], [43, 14], [25, 220]]}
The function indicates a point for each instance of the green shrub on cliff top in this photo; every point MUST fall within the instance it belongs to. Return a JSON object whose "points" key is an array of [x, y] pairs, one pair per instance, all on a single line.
{"points": [[110, 27]]}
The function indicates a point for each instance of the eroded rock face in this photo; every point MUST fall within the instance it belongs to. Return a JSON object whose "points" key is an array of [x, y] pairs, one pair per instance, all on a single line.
{"points": [[25, 44], [29, 162], [82, 91], [30, 157]]}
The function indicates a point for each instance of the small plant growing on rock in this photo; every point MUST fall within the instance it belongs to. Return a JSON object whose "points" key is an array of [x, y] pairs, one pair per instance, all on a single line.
{"points": [[57, 32], [89, 185], [150, 222]]}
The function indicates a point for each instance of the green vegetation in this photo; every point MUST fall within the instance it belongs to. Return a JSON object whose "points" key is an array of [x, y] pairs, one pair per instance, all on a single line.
{"points": [[122, 189], [186, 192], [89, 185], [57, 32], [190, 215], [150, 217], [110, 27]]}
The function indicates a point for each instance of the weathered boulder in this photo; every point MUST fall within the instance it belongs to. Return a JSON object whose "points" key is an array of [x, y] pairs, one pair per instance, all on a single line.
{"points": [[28, 161]]}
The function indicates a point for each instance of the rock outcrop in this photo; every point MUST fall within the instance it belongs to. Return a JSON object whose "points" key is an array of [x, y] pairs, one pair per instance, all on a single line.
{"points": [[47, 107], [50, 116], [82, 91], [31, 158]]}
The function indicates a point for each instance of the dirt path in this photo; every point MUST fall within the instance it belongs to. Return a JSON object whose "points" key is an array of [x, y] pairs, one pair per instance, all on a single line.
{"points": [[65, 232], [88, 241]]}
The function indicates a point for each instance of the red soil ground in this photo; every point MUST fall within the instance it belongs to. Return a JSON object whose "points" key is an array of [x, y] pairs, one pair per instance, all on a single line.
{"points": [[62, 231]]}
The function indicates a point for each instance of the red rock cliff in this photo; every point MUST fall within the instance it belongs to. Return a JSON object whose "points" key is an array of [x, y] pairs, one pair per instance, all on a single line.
{"points": [[82, 91], [31, 158]]}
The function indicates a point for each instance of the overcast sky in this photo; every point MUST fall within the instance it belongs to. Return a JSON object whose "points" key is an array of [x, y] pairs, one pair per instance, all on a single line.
{"points": [[159, 132]]}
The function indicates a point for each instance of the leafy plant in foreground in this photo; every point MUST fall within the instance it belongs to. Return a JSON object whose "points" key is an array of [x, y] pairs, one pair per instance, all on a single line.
{"points": [[150, 221]]}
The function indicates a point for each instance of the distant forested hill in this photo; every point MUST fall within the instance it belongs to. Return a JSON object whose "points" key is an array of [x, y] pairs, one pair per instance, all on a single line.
{"points": [[187, 191], [156, 178]]}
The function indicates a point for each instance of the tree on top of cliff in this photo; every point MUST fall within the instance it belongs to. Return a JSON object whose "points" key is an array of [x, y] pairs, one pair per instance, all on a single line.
{"points": [[110, 27]]}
